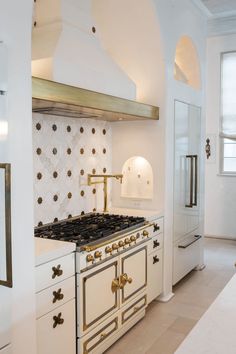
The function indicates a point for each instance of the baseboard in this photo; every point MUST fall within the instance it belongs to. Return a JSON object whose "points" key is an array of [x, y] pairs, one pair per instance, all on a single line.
{"points": [[165, 298], [218, 237]]}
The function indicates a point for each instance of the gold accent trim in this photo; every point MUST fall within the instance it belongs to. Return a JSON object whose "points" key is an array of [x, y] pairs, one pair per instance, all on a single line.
{"points": [[85, 325], [94, 247], [50, 97], [123, 298], [8, 281], [103, 336], [136, 309]]}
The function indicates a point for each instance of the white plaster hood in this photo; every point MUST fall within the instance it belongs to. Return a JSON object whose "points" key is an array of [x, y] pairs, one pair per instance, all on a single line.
{"points": [[65, 49]]}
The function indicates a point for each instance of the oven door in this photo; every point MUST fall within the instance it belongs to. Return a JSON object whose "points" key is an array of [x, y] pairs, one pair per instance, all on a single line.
{"points": [[133, 273], [98, 294]]}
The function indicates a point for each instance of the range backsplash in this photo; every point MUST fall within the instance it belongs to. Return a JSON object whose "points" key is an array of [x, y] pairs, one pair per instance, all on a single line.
{"points": [[65, 150]]}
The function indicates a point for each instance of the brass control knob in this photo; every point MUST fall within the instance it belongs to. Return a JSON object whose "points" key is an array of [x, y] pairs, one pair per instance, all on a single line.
{"points": [[121, 243], [145, 233], [115, 246], [108, 249], [89, 258], [133, 238], [98, 254], [127, 241]]}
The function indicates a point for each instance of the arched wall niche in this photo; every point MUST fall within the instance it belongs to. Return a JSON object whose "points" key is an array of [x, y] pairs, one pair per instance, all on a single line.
{"points": [[137, 178], [186, 66]]}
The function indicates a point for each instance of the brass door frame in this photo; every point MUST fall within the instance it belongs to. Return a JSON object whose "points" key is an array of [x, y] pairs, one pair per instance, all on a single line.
{"points": [[8, 281], [123, 299], [102, 338], [85, 325]]}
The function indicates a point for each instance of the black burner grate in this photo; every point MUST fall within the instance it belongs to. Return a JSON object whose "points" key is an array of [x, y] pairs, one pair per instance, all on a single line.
{"points": [[89, 228]]}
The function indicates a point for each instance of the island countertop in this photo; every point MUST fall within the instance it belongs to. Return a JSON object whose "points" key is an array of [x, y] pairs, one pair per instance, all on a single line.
{"points": [[215, 331]]}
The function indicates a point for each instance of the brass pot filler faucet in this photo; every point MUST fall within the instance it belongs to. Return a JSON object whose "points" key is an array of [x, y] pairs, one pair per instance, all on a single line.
{"points": [[104, 181]]}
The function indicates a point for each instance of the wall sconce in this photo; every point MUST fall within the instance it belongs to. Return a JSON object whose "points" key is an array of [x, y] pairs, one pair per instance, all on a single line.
{"points": [[3, 92]]}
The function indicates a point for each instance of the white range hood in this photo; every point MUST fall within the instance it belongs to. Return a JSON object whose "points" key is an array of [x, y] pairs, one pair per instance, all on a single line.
{"points": [[66, 49]]}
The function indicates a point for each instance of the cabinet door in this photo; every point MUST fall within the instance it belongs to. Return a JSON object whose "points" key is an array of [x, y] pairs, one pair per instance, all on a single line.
{"points": [[133, 273], [155, 278], [56, 331], [99, 294], [186, 168]]}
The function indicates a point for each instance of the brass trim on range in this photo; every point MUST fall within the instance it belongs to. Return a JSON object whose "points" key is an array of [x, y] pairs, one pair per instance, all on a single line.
{"points": [[103, 336], [7, 168], [94, 247], [85, 324], [123, 298], [136, 309]]}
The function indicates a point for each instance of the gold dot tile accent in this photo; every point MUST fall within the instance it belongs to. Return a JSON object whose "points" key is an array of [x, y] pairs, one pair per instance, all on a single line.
{"points": [[55, 220], [39, 151], [55, 198], [69, 151], [69, 195], [55, 174], [40, 200], [82, 213], [82, 193], [104, 150], [93, 151], [69, 173], [104, 131], [68, 128], [81, 130], [93, 130], [40, 223], [81, 151], [39, 175], [69, 216], [81, 172], [93, 171], [94, 190], [54, 127], [104, 170], [38, 126], [54, 151], [94, 209]]}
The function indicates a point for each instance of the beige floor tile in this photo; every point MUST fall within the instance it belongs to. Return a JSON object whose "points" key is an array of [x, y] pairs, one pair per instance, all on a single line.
{"points": [[167, 343], [183, 325]]}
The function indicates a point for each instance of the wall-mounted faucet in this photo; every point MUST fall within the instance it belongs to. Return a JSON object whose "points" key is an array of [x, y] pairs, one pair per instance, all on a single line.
{"points": [[104, 181]]}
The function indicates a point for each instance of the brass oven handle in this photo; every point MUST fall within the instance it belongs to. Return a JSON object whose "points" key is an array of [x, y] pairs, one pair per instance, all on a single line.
{"points": [[190, 205], [7, 178], [57, 296], [115, 285], [57, 320], [57, 272]]}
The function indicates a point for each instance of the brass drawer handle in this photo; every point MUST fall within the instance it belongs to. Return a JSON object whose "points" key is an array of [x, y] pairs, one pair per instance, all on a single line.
{"points": [[155, 259], [156, 227], [156, 244], [57, 320], [103, 335], [57, 272], [57, 296]]}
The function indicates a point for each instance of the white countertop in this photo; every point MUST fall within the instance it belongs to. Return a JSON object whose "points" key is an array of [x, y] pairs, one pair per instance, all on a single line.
{"points": [[47, 250], [215, 331], [148, 214]]}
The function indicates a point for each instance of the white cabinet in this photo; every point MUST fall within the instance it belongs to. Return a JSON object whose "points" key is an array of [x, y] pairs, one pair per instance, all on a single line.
{"points": [[55, 306], [155, 261]]}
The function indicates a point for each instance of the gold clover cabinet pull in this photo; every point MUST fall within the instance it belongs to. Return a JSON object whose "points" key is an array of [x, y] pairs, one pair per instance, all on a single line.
{"points": [[57, 320], [57, 272], [57, 296]]}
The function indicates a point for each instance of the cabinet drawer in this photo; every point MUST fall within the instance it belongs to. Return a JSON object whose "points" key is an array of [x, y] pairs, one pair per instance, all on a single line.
{"points": [[133, 309], [57, 338], [55, 271], [155, 274], [49, 299], [155, 243], [91, 342]]}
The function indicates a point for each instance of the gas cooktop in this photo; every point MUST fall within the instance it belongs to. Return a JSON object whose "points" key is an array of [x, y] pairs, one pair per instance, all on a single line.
{"points": [[89, 228]]}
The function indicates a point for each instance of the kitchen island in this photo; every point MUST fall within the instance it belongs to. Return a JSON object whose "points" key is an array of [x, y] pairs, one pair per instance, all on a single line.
{"points": [[215, 331]]}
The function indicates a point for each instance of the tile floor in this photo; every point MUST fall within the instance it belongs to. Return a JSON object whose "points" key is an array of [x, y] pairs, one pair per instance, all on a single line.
{"points": [[166, 324]]}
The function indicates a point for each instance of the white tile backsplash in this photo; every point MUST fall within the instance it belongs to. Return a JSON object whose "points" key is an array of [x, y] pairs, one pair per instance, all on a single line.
{"points": [[47, 163]]}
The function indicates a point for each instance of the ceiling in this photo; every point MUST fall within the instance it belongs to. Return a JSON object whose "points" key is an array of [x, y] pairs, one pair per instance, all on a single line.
{"points": [[219, 8]]}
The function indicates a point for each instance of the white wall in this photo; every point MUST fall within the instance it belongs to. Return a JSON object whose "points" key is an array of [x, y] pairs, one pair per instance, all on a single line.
{"points": [[220, 197], [142, 40], [15, 30]]}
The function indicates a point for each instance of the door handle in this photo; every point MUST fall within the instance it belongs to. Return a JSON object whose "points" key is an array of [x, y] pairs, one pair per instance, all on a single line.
{"points": [[195, 157], [7, 210], [190, 204]]}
